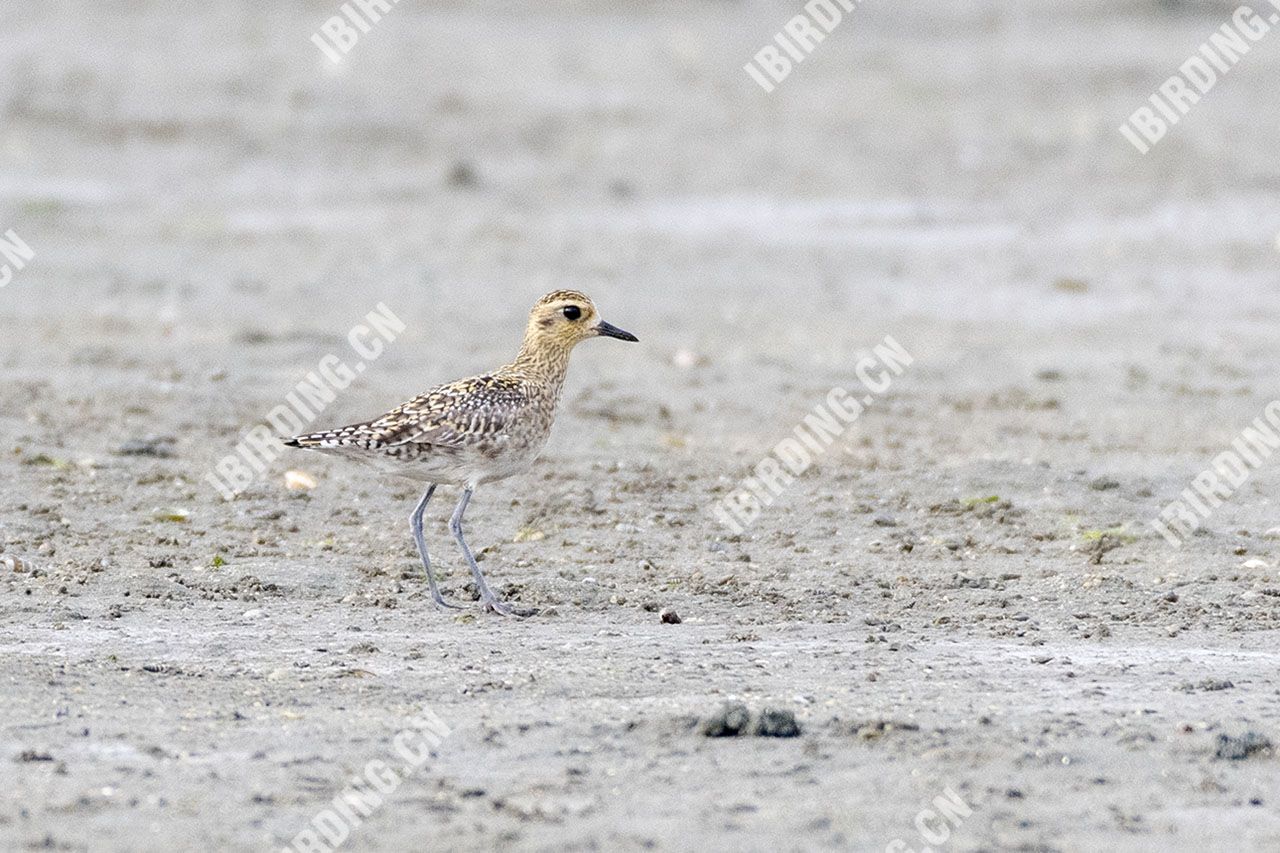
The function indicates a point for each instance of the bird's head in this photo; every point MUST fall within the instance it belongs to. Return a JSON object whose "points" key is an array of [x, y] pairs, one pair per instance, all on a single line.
{"points": [[564, 318]]}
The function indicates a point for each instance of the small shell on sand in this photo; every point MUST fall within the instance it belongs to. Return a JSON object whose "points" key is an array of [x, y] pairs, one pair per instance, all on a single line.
{"points": [[12, 563], [299, 480]]}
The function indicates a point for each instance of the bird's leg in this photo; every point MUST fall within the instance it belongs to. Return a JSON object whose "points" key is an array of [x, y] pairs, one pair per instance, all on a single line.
{"points": [[489, 600], [415, 524]]}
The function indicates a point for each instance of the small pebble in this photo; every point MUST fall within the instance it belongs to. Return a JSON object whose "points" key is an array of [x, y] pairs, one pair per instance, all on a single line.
{"points": [[1071, 285], [463, 174], [169, 513], [669, 617], [686, 359]]}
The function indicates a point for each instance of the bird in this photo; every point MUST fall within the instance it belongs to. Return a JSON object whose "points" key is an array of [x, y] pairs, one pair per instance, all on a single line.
{"points": [[475, 430]]}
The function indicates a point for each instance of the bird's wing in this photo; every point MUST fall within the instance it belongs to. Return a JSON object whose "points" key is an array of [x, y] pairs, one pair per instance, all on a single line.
{"points": [[458, 414], [465, 412]]}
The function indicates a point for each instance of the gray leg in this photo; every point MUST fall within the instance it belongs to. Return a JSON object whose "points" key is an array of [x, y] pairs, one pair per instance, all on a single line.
{"points": [[487, 597], [415, 523]]}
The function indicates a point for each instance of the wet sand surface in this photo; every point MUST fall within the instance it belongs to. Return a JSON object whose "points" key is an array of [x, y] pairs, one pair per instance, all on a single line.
{"points": [[963, 594]]}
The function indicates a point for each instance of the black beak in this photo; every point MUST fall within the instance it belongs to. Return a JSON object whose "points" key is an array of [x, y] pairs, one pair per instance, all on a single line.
{"points": [[609, 330]]}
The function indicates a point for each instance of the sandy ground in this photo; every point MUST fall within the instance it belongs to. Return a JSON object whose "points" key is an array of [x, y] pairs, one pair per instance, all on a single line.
{"points": [[213, 206]]}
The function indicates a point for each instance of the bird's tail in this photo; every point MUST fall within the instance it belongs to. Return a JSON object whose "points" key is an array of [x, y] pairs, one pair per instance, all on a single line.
{"points": [[314, 439], [341, 437]]}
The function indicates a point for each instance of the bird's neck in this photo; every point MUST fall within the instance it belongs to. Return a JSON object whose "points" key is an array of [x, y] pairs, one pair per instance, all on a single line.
{"points": [[541, 362]]}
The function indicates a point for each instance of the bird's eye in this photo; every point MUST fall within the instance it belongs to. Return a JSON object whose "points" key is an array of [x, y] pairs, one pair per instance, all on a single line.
{"points": [[571, 312]]}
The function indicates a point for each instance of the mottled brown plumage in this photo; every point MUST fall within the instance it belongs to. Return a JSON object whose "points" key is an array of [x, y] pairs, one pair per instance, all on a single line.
{"points": [[479, 429]]}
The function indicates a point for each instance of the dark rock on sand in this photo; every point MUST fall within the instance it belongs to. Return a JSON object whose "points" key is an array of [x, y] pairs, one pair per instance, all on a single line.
{"points": [[776, 722], [157, 446], [1240, 747], [729, 721]]}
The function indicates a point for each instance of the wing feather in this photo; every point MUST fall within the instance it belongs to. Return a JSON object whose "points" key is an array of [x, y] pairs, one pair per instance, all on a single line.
{"points": [[457, 415]]}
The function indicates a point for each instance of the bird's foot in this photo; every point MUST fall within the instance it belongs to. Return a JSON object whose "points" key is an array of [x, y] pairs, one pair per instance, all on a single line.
{"points": [[445, 605], [493, 605]]}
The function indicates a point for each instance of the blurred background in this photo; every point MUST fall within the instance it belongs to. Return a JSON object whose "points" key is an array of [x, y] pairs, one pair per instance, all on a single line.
{"points": [[195, 176], [173, 158]]}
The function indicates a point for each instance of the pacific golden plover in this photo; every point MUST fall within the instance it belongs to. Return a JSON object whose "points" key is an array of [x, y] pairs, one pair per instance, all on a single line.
{"points": [[476, 430]]}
